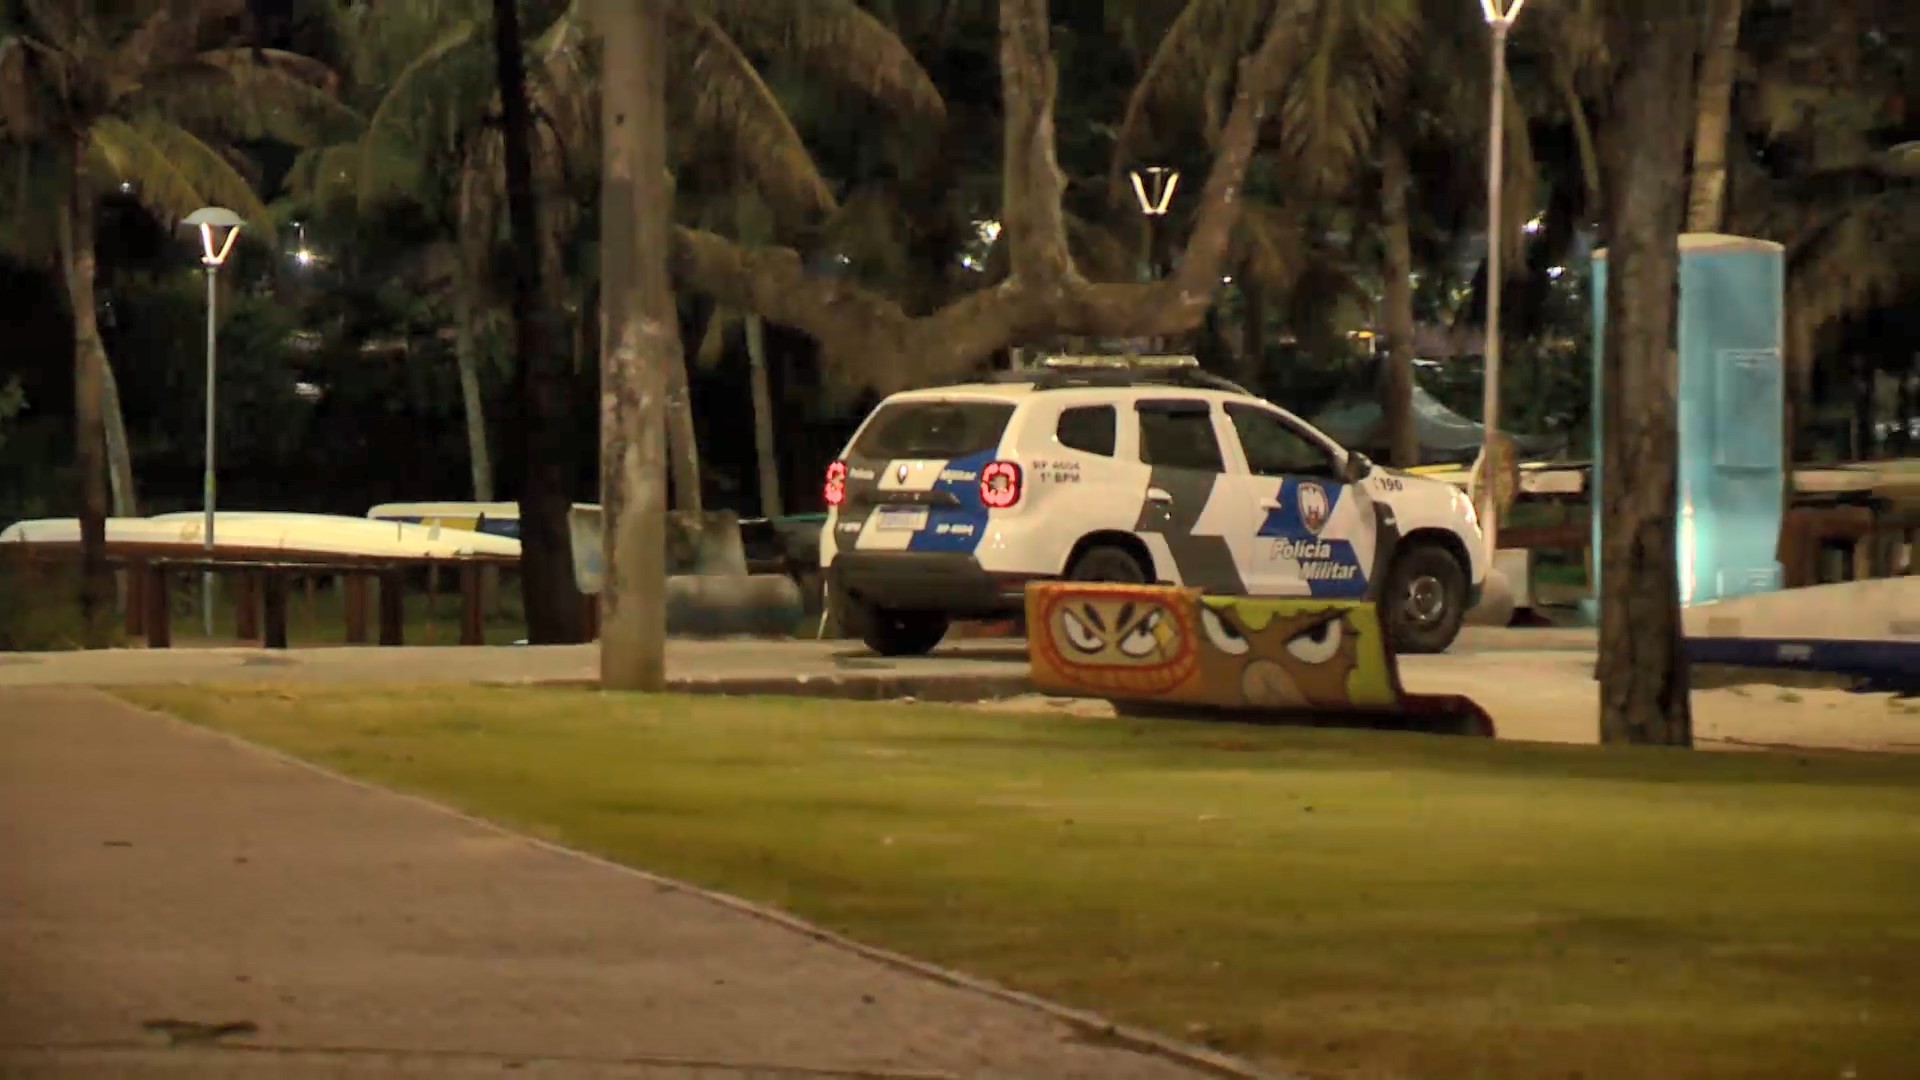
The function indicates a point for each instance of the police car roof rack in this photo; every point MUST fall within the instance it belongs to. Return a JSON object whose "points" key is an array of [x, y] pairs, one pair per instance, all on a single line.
{"points": [[1057, 372]]}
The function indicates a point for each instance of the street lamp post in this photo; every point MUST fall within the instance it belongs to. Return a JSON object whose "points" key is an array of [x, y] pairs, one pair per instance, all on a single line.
{"points": [[1155, 193], [219, 228], [1500, 22]]}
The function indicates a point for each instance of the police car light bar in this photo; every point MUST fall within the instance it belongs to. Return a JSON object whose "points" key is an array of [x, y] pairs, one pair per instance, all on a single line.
{"points": [[1119, 362]]}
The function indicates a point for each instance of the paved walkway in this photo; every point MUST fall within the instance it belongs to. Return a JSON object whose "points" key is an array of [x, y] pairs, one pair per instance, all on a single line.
{"points": [[161, 881]]}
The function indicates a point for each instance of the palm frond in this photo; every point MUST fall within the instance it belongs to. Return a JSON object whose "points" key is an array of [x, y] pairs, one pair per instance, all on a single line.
{"points": [[236, 100], [728, 98], [19, 101], [1272, 245], [836, 40], [1357, 59], [1185, 65], [168, 35], [395, 119], [30, 182], [173, 173]]}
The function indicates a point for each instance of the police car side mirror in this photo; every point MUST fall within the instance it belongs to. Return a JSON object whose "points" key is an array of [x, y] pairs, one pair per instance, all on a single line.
{"points": [[1357, 467]]}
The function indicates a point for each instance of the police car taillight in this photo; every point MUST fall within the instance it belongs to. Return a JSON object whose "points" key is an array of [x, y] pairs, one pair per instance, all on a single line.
{"points": [[1000, 485], [836, 483]]}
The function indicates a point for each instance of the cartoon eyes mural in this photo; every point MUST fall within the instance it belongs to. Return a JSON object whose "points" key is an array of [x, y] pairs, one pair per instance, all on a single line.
{"points": [[1174, 645], [1318, 644], [1225, 638], [1117, 637]]}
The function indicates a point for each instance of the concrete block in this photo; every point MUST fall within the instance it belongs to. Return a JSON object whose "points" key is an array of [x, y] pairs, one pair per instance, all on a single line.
{"points": [[1496, 604], [715, 605]]}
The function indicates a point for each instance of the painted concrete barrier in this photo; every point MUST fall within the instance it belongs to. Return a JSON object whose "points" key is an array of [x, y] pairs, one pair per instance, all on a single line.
{"points": [[1869, 629], [1163, 648]]}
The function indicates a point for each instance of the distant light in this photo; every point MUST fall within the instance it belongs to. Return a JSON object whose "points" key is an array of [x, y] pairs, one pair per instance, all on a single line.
{"points": [[307, 391], [304, 257], [1554, 272], [126, 187], [1536, 224], [1228, 280]]}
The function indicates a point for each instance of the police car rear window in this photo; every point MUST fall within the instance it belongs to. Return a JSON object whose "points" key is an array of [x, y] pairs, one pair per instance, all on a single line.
{"points": [[933, 429]]}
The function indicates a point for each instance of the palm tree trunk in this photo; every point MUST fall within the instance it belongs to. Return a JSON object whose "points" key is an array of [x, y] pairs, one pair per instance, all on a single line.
{"points": [[466, 352], [762, 416], [1643, 673], [89, 367], [682, 437], [1713, 116], [640, 346], [1253, 331], [119, 458], [547, 587], [1402, 436]]}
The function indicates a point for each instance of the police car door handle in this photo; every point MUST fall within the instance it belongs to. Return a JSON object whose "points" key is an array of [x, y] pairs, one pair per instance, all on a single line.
{"points": [[1158, 495], [1269, 504]]}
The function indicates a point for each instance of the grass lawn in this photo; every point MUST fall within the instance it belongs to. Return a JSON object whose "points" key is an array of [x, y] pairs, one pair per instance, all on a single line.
{"points": [[1347, 904]]}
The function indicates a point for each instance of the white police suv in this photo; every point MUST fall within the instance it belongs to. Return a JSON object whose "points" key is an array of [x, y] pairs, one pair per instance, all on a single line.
{"points": [[949, 500]]}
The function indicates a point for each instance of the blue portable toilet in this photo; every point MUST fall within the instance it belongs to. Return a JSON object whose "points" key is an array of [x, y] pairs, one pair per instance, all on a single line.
{"points": [[1731, 484]]}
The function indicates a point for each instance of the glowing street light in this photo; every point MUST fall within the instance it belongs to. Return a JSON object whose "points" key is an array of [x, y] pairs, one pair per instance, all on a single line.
{"points": [[1500, 15], [219, 228], [1155, 192]]}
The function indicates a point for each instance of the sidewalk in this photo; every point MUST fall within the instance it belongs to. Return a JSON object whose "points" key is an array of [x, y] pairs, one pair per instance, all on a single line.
{"points": [[159, 878]]}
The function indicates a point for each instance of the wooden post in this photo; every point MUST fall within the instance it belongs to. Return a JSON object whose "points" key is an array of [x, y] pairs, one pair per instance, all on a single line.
{"points": [[312, 581], [136, 578], [433, 599], [392, 607], [472, 605], [159, 608], [246, 606], [274, 589], [353, 584]]}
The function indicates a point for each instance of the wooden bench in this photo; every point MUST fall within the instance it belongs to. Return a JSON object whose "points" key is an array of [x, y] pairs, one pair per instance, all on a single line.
{"points": [[263, 579]]}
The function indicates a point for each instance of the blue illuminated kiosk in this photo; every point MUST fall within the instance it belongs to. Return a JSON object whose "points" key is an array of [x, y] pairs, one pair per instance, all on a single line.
{"points": [[1730, 497]]}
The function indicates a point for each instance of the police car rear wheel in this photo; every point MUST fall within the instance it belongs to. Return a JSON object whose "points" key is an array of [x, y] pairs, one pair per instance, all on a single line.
{"points": [[1104, 562], [902, 633], [1426, 599]]}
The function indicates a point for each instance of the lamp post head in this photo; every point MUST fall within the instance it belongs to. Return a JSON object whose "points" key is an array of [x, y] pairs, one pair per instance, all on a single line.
{"points": [[1500, 14], [209, 219], [1165, 180]]}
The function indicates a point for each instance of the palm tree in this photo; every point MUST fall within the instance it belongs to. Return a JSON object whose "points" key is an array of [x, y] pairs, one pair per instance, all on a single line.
{"points": [[432, 136], [151, 100]]}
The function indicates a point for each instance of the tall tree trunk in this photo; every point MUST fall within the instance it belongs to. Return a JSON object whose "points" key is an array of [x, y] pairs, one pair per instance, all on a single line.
{"points": [[1713, 116], [547, 588], [89, 367], [1643, 673], [1403, 436], [466, 352], [683, 440], [126, 502], [762, 416], [1253, 331], [639, 345]]}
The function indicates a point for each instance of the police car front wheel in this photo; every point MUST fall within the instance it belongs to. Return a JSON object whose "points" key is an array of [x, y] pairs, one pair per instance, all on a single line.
{"points": [[1426, 599]]}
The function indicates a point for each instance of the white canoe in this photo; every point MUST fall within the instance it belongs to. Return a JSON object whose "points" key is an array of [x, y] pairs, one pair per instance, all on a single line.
{"points": [[294, 534]]}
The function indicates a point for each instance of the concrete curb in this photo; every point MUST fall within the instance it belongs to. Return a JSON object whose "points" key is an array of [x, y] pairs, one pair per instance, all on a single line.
{"points": [[1089, 1024], [941, 689]]}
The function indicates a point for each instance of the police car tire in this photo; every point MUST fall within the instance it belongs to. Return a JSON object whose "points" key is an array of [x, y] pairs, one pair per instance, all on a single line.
{"points": [[1439, 563], [1104, 562], [901, 633]]}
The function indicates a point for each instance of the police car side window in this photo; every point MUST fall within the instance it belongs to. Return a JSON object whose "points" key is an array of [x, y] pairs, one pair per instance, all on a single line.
{"points": [[1088, 428], [1179, 437], [1275, 449]]}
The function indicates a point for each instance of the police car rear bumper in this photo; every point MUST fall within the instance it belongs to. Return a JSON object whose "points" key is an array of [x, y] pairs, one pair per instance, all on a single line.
{"points": [[952, 583]]}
